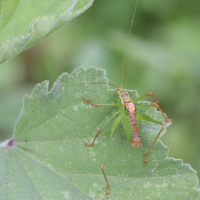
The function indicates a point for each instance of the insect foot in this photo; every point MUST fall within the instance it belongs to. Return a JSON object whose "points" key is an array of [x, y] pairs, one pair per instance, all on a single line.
{"points": [[92, 104], [108, 186], [89, 145]]}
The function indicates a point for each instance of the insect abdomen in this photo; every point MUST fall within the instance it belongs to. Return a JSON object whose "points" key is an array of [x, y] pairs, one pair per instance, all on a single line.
{"points": [[135, 122], [132, 128]]}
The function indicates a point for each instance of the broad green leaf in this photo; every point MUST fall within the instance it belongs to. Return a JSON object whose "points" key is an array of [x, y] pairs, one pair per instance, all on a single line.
{"points": [[26, 22], [47, 158]]}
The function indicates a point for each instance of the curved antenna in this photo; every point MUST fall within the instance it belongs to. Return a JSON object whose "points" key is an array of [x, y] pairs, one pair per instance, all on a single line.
{"points": [[93, 83], [127, 42]]}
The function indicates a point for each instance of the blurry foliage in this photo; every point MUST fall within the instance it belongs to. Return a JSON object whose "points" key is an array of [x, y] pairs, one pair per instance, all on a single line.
{"points": [[23, 24], [163, 57]]}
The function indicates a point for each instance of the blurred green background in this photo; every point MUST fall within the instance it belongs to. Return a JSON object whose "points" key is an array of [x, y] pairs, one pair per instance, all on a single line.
{"points": [[163, 57]]}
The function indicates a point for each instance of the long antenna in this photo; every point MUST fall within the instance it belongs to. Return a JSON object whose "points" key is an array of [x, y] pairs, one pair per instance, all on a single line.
{"points": [[93, 84], [127, 42]]}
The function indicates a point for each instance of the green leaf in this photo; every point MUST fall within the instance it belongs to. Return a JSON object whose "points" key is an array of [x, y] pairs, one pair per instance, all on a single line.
{"points": [[47, 158], [24, 23]]}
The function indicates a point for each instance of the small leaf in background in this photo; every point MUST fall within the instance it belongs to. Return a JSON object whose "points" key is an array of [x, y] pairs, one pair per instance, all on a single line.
{"points": [[24, 23], [47, 158]]}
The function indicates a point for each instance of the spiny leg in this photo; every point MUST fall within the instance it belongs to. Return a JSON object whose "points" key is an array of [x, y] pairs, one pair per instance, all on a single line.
{"points": [[152, 104], [147, 118], [108, 186], [99, 105], [90, 145], [145, 156], [157, 106], [114, 126]]}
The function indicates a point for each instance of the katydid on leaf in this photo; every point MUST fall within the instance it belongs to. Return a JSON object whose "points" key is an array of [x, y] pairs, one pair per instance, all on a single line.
{"points": [[129, 116]]}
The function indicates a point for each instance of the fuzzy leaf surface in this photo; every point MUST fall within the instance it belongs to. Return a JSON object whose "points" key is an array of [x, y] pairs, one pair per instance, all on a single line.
{"points": [[49, 159]]}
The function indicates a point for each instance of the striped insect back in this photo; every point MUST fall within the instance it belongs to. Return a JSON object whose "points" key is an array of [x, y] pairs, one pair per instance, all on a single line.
{"points": [[135, 122], [130, 119]]}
